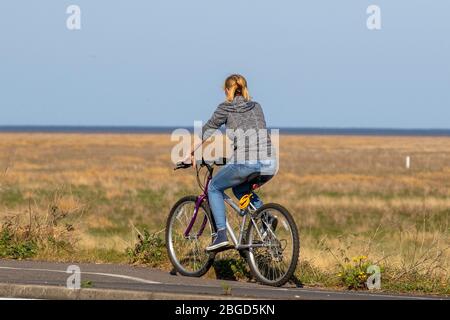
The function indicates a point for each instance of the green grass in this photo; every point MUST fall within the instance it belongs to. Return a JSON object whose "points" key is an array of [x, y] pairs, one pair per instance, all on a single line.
{"points": [[88, 194], [151, 198], [11, 197], [108, 231], [387, 194], [99, 255], [87, 284], [310, 275], [10, 247]]}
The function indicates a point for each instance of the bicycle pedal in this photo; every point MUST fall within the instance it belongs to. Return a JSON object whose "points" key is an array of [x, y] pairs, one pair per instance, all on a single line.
{"points": [[228, 247], [244, 201]]}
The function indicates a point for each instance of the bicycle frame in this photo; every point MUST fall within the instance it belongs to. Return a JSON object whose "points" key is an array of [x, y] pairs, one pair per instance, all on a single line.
{"points": [[237, 241]]}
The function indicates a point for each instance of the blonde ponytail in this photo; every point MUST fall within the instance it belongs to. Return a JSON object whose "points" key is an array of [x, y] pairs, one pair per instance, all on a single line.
{"points": [[236, 85]]}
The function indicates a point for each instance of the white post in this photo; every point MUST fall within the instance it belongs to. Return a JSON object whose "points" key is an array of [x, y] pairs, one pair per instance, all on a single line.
{"points": [[408, 162]]}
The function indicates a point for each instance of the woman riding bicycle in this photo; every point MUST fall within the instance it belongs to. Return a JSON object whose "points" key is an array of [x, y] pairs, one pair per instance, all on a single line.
{"points": [[253, 152]]}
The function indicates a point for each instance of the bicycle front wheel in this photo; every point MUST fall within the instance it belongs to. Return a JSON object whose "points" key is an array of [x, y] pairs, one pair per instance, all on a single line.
{"points": [[274, 245], [187, 251]]}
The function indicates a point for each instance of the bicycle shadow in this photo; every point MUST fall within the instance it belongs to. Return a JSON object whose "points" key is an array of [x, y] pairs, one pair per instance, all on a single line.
{"points": [[231, 269], [235, 269]]}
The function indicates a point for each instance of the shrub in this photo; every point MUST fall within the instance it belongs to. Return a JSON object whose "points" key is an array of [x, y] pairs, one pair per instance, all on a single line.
{"points": [[354, 274], [10, 247], [36, 231], [150, 249]]}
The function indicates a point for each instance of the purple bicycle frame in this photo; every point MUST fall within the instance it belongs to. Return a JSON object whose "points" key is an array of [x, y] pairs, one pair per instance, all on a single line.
{"points": [[198, 203]]}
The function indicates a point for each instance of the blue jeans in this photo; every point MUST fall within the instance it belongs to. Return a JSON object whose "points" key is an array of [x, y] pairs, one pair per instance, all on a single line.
{"points": [[233, 176]]}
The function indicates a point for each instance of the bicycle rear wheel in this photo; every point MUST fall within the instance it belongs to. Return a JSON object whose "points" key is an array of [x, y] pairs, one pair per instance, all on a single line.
{"points": [[187, 252], [275, 245]]}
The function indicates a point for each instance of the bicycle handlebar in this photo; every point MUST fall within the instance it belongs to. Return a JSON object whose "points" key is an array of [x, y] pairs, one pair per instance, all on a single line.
{"points": [[183, 165]]}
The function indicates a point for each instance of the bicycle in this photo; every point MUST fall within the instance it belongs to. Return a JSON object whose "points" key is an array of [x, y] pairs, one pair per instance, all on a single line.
{"points": [[270, 243]]}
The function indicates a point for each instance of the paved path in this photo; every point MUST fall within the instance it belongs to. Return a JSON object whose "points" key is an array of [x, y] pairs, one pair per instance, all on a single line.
{"points": [[126, 278]]}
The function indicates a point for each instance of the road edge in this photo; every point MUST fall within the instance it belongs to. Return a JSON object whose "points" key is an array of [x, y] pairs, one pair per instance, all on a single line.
{"points": [[61, 293]]}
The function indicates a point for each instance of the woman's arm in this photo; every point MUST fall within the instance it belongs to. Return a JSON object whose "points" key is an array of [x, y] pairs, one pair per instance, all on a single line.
{"points": [[218, 118]]}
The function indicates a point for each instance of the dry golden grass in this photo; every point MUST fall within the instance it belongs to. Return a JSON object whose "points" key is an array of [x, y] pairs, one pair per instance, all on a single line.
{"points": [[350, 192]]}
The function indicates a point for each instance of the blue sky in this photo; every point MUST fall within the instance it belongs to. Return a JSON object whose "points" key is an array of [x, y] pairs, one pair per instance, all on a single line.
{"points": [[309, 63]]}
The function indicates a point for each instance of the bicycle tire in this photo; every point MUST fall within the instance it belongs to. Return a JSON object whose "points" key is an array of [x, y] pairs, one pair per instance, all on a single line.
{"points": [[173, 259], [296, 246]]}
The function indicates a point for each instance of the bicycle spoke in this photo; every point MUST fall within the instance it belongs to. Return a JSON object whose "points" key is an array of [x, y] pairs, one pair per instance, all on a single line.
{"points": [[273, 259], [188, 251]]}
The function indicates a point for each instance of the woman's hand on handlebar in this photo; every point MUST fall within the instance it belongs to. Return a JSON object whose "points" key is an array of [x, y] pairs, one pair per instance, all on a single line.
{"points": [[182, 165], [188, 160]]}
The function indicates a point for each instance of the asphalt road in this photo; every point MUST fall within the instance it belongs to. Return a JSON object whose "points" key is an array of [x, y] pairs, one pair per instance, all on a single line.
{"points": [[138, 279]]}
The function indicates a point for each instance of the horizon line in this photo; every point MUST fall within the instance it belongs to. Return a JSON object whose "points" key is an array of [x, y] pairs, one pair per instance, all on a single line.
{"points": [[368, 131], [186, 126]]}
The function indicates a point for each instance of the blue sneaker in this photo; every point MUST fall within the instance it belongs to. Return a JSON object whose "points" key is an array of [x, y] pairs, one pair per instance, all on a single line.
{"points": [[220, 241]]}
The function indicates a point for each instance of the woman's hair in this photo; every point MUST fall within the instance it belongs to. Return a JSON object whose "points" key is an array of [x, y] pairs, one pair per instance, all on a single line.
{"points": [[237, 86]]}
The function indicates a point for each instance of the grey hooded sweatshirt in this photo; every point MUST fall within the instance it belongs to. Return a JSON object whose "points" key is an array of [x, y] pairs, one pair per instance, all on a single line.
{"points": [[246, 128]]}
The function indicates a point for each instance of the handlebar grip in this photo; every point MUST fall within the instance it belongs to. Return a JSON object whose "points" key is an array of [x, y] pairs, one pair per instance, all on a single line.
{"points": [[182, 165]]}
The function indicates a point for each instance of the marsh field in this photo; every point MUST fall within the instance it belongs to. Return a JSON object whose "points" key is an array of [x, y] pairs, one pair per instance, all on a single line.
{"points": [[105, 198]]}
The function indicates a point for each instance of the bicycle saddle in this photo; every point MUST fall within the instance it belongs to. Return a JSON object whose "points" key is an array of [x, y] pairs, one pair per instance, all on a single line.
{"points": [[256, 179]]}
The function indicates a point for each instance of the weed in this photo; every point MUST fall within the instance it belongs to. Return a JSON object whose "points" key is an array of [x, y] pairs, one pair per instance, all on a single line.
{"points": [[87, 284], [354, 274], [309, 274], [150, 250], [35, 231], [12, 247], [226, 289], [231, 268]]}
